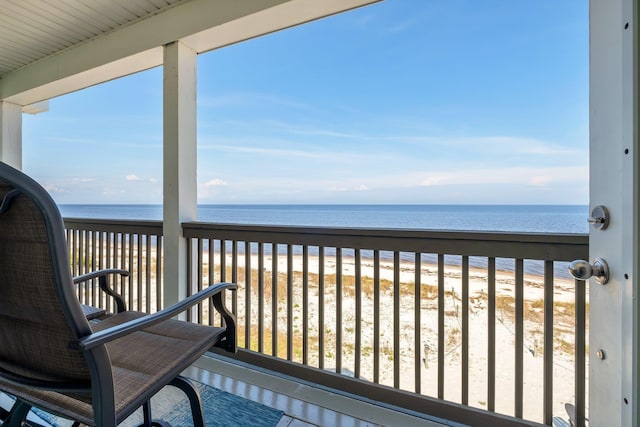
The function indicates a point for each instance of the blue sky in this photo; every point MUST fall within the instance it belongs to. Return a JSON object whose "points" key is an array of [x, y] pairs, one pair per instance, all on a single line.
{"points": [[405, 101]]}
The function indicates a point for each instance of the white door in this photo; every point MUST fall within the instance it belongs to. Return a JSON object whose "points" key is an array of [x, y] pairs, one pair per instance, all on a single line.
{"points": [[614, 183]]}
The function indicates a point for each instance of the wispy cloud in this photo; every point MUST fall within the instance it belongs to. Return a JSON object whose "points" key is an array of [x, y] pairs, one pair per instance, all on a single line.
{"points": [[251, 99], [530, 176], [103, 189], [217, 182], [400, 26], [150, 142], [53, 188], [345, 188], [267, 151], [134, 177], [446, 138], [501, 144]]}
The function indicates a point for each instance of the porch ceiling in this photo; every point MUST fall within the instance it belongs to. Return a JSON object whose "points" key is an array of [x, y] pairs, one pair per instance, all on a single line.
{"points": [[31, 30], [51, 48]]}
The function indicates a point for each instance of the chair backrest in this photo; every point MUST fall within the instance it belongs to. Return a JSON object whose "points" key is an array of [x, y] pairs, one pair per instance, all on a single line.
{"points": [[39, 312]]}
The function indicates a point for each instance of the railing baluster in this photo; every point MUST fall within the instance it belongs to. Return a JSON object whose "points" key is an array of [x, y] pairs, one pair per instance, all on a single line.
{"points": [[70, 246], [376, 316], [101, 235], [339, 310], [417, 366], [358, 301], [139, 268], [519, 374], [123, 265], [580, 349], [465, 330], [223, 267], [223, 260], [547, 406], [86, 266], [159, 275], [247, 294], [321, 307], [396, 319], [289, 302], [211, 279], [147, 271], [491, 334], [131, 267], [200, 279], [305, 305], [274, 300], [441, 348], [234, 275], [108, 243], [81, 269], [261, 297], [94, 255], [189, 312], [75, 257]]}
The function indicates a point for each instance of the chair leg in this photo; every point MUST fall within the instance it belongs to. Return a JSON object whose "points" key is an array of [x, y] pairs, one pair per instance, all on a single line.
{"points": [[146, 413], [17, 414], [194, 399], [148, 422]]}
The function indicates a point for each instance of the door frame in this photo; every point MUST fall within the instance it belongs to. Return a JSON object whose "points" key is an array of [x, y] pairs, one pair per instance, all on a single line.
{"points": [[613, 149]]}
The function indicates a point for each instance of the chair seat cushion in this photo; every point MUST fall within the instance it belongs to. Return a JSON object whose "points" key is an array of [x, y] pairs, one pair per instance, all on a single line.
{"points": [[143, 362]]}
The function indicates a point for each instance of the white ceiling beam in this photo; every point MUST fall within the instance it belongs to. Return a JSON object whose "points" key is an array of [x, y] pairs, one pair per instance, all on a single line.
{"points": [[285, 15], [201, 24], [39, 85]]}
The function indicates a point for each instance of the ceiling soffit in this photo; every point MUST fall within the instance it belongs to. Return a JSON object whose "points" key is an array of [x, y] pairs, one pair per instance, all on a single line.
{"points": [[133, 42]]}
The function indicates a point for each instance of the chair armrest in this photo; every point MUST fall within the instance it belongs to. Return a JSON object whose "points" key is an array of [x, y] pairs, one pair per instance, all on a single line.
{"points": [[110, 334], [101, 275]]}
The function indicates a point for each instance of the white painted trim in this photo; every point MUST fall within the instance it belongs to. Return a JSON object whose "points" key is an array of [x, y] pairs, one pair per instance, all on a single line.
{"points": [[11, 134], [285, 15], [30, 89], [630, 188], [613, 325], [37, 108], [179, 160]]}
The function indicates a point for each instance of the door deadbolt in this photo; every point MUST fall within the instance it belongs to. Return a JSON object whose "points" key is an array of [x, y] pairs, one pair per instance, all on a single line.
{"points": [[599, 218]]}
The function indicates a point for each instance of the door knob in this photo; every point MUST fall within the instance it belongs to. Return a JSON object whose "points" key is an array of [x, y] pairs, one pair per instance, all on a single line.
{"points": [[582, 270]]}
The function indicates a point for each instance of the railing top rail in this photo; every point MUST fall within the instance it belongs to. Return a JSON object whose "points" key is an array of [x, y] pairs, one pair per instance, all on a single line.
{"points": [[558, 247], [152, 227]]}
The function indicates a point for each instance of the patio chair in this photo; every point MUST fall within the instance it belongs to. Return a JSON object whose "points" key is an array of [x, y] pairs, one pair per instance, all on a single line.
{"points": [[52, 358]]}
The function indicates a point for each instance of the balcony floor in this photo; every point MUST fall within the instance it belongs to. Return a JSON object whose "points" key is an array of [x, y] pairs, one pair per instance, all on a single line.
{"points": [[303, 404]]}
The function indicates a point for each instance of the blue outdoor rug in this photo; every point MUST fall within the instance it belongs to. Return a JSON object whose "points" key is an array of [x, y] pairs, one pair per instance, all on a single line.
{"points": [[220, 409]]}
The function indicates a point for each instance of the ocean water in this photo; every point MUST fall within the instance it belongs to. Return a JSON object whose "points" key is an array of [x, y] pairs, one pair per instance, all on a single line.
{"points": [[512, 218], [507, 218]]}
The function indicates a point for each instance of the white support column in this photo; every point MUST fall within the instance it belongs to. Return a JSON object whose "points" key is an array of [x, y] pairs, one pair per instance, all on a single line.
{"points": [[614, 183], [11, 134], [180, 193]]}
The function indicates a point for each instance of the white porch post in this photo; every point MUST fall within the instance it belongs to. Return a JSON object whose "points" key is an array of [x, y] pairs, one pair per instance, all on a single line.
{"points": [[179, 164], [614, 183], [11, 134]]}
